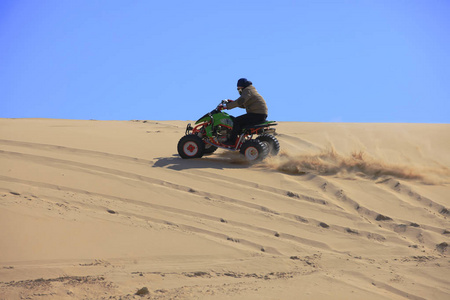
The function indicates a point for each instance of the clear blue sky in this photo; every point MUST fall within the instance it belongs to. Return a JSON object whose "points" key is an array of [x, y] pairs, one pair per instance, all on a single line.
{"points": [[319, 61]]}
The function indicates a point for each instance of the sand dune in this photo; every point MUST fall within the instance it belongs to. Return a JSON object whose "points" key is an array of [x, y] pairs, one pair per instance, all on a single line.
{"points": [[102, 209]]}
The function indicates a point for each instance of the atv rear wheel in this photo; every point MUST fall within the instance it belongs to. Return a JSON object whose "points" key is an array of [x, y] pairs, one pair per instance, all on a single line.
{"points": [[254, 150], [191, 146], [272, 143]]}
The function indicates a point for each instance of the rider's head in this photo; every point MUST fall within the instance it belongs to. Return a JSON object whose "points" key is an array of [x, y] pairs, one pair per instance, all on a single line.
{"points": [[242, 84]]}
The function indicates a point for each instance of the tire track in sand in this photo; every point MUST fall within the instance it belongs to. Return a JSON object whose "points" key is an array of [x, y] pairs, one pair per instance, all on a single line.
{"points": [[298, 220], [77, 151], [256, 186], [264, 232]]}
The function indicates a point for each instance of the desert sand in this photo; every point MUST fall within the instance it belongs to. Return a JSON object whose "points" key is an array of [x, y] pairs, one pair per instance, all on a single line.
{"points": [[108, 210]]}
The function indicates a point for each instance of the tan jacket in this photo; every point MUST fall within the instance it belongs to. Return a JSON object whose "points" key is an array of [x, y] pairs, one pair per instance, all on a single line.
{"points": [[251, 100]]}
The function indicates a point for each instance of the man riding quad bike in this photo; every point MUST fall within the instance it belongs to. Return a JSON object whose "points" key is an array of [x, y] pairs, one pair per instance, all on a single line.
{"points": [[217, 129]]}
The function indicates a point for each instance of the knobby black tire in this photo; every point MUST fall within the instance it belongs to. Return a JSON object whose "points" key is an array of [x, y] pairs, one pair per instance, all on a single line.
{"points": [[254, 150], [272, 143], [191, 146]]}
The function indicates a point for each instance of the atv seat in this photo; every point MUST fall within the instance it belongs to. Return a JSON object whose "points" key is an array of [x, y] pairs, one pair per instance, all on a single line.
{"points": [[265, 124]]}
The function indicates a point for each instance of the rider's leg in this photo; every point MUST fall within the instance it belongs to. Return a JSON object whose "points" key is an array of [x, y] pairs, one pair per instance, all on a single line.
{"points": [[245, 120]]}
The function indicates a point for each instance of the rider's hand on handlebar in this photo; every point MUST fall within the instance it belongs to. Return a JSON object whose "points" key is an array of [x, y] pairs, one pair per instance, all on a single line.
{"points": [[223, 104]]}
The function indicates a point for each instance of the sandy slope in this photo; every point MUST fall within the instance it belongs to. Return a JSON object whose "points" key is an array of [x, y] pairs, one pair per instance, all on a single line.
{"points": [[98, 210]]}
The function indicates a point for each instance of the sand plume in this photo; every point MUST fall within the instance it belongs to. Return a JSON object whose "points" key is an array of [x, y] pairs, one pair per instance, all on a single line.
{"points": [[330, 162]]}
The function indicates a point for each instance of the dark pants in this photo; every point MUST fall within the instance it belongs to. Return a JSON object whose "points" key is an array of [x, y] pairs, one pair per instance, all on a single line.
{"points": [[245, 120]]}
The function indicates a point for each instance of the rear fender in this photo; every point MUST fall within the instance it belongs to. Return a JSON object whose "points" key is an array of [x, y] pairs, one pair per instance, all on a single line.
{"points": [[260, 129]]}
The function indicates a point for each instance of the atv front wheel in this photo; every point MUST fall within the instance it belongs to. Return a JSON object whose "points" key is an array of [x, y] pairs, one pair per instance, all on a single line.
{"points": [[191, 146], [272, 143], [254, 150]]}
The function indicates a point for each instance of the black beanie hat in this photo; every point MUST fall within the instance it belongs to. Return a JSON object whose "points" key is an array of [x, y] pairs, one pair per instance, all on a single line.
{"points": [[243, 82]]}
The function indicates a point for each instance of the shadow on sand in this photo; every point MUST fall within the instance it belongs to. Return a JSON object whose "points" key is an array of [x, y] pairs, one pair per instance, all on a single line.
{"points": [[221, 161]]}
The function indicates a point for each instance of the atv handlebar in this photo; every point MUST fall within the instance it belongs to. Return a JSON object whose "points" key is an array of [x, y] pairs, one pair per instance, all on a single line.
{"points": [[223, 104]]}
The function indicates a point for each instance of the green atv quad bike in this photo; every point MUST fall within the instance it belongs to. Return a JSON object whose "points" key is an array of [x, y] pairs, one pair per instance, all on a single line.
{"points": [[214, 128]]}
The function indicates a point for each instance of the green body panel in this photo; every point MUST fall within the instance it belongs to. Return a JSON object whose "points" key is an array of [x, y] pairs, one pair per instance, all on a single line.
{"points": [[203, 119], [219, 118]]}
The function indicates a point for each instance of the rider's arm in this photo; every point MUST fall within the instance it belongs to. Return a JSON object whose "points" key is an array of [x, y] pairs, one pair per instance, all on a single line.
{"points": [[241, 101]]}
